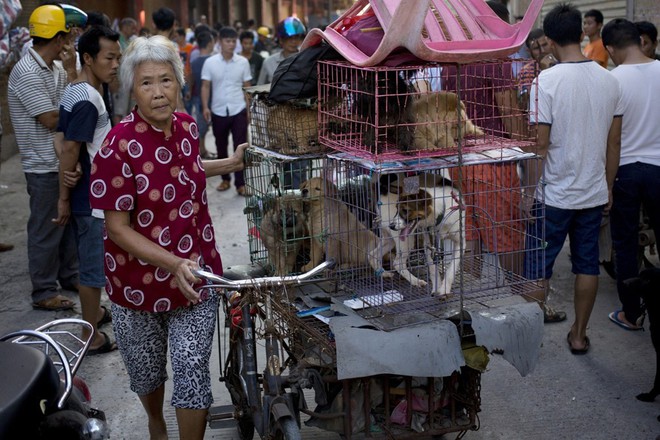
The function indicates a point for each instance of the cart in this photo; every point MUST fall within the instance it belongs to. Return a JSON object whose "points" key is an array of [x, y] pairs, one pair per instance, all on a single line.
{"points": [[387, 345]]}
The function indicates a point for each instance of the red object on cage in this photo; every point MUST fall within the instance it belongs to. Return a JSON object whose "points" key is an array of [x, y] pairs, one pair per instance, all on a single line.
{"points": [[434, 30], [427, 110]]}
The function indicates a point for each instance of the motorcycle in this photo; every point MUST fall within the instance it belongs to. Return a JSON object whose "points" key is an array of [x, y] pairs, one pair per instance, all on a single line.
{"points": [[41, 396]]}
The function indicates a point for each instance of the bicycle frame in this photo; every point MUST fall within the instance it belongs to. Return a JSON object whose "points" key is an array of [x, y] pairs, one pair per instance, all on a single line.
{"points": [[241, 369]]}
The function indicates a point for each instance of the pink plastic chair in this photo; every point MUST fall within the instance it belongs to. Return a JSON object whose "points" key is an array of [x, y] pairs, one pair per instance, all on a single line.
{"points": [[460, 31]]}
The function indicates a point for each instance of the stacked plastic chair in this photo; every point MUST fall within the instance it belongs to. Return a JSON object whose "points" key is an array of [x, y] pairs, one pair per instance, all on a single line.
{"points": [[433, 30]]}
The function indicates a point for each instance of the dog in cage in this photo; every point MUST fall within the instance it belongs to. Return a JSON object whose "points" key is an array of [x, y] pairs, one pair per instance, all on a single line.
{"points": [[433, 213], [384, 99], [441, 121], [283, 230], [291, 127], [411, 120], [349, 242]]}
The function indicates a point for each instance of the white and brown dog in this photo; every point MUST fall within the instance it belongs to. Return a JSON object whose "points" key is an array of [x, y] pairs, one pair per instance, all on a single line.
{"points": [[433, 212]]}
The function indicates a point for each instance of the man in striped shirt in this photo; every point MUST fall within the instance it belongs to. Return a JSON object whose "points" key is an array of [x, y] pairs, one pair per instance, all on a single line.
{"points": [[35, 87]]}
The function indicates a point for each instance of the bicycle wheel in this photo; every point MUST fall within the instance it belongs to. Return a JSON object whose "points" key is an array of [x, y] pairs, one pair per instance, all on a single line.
{"points": [[239, 399], [287, 429]]}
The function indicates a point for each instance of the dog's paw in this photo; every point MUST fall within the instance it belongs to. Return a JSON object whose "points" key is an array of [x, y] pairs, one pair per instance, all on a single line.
{"points": [[418, 283], [441, 293]]}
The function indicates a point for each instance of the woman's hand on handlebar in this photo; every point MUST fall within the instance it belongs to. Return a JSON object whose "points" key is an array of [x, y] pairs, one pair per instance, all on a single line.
{"points": [[185, 279]]}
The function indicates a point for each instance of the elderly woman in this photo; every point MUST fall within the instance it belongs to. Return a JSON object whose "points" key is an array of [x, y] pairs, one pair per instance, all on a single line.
{"points": [[150, 181]]}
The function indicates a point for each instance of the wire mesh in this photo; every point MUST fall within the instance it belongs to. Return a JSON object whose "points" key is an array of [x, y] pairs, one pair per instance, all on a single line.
{"points": [[418, 245], [426, 110], [290, 128], [278, 236]]}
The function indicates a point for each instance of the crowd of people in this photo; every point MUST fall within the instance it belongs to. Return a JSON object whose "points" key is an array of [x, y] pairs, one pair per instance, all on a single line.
{"points": [[116, 171], [116, 163]]}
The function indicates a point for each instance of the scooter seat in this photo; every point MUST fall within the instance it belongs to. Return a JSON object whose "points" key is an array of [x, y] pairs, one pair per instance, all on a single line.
{"points": [[28, 378]]}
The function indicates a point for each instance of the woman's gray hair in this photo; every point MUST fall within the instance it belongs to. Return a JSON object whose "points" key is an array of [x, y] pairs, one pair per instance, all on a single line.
{"points": [[156, 49]]}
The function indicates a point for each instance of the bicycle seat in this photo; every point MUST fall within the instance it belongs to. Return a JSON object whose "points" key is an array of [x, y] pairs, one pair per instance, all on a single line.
{"points": [[459, 31], [28, 377]]}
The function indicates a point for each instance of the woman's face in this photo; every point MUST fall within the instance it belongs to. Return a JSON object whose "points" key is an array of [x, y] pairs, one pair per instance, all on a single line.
{"points": [[156, 91]]}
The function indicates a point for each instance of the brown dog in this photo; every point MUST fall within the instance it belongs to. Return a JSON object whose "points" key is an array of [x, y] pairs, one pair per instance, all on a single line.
{"points": [[437, 116], [283, 231], [348, 241]]}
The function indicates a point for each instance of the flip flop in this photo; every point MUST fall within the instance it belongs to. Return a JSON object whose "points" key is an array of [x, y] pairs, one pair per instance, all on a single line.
{"points": [[614, 317], [55, 303], [578, 351], [107, 346], [107, 317]]}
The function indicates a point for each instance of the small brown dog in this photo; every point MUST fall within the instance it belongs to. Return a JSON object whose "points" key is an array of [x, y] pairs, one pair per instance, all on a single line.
{"points": [[437, 117], [283, 231], [349, 242], [292, 129]]}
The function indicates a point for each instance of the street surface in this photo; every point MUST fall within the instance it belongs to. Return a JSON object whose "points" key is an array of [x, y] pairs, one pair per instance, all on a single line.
{"points": [[565, 397]]}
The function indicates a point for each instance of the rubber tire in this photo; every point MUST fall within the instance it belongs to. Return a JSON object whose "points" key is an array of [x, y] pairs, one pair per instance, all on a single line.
{"points": [[65, 424], [245, 424], [287, 429]]}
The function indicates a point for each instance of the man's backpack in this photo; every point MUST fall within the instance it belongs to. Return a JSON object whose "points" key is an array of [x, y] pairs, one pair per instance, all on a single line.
{"points": [[296, 77]]}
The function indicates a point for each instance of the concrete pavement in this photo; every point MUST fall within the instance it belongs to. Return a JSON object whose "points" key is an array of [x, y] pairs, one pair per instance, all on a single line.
{"points": [[565, 397]]}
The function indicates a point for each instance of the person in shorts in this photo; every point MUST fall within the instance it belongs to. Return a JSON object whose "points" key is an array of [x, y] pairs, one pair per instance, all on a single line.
{"points": [[84, 122], [579, 140], [150, 181]]}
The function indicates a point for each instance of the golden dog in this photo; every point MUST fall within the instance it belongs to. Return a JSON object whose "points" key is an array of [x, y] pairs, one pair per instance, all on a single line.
{"points": [[349, 242], [283, 230], [437, 117]]}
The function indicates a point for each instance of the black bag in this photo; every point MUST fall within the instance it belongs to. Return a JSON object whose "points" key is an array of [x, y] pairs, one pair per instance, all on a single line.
{"points": [[296, 77]]}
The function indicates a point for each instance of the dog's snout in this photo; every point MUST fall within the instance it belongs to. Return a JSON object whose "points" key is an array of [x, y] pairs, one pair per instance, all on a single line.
{"points": [[304, 192]]}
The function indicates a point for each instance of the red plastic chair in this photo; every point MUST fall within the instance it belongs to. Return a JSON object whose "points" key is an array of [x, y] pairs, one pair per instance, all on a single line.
{"points": [[433, 30]]}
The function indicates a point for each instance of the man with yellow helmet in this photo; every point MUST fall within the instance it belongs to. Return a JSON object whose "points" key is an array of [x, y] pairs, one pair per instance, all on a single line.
{"points": [[36, 84]]}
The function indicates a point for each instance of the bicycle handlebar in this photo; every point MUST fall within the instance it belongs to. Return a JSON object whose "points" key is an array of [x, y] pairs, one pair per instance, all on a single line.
{"points": [[217, 281]]}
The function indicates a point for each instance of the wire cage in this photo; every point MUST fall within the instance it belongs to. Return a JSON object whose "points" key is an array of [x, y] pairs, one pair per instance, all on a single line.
{"points": [[391, 406], [426, 110], [290, 128], [415, 241], [278, 236], [377, 404]]}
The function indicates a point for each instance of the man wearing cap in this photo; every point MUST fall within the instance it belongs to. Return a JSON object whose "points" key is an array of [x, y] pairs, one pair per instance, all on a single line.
{"points": [[35, 87], [264, 42]]}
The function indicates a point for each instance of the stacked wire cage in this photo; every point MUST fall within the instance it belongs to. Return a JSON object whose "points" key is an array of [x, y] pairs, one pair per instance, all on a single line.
{"points": [[278, 235], [422, 201], [290, 128]]}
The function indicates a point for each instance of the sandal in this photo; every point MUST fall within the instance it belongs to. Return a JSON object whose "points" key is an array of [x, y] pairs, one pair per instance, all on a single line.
{"points": [[55, 303], [578, 351], [107, 317], [107, 346], [224, 185], [614, 317]]}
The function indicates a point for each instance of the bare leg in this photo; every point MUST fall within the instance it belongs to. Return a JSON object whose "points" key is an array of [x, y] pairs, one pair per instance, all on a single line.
{"points": [[586, 287], [90, 303], [192, 423], [153, 405]]}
